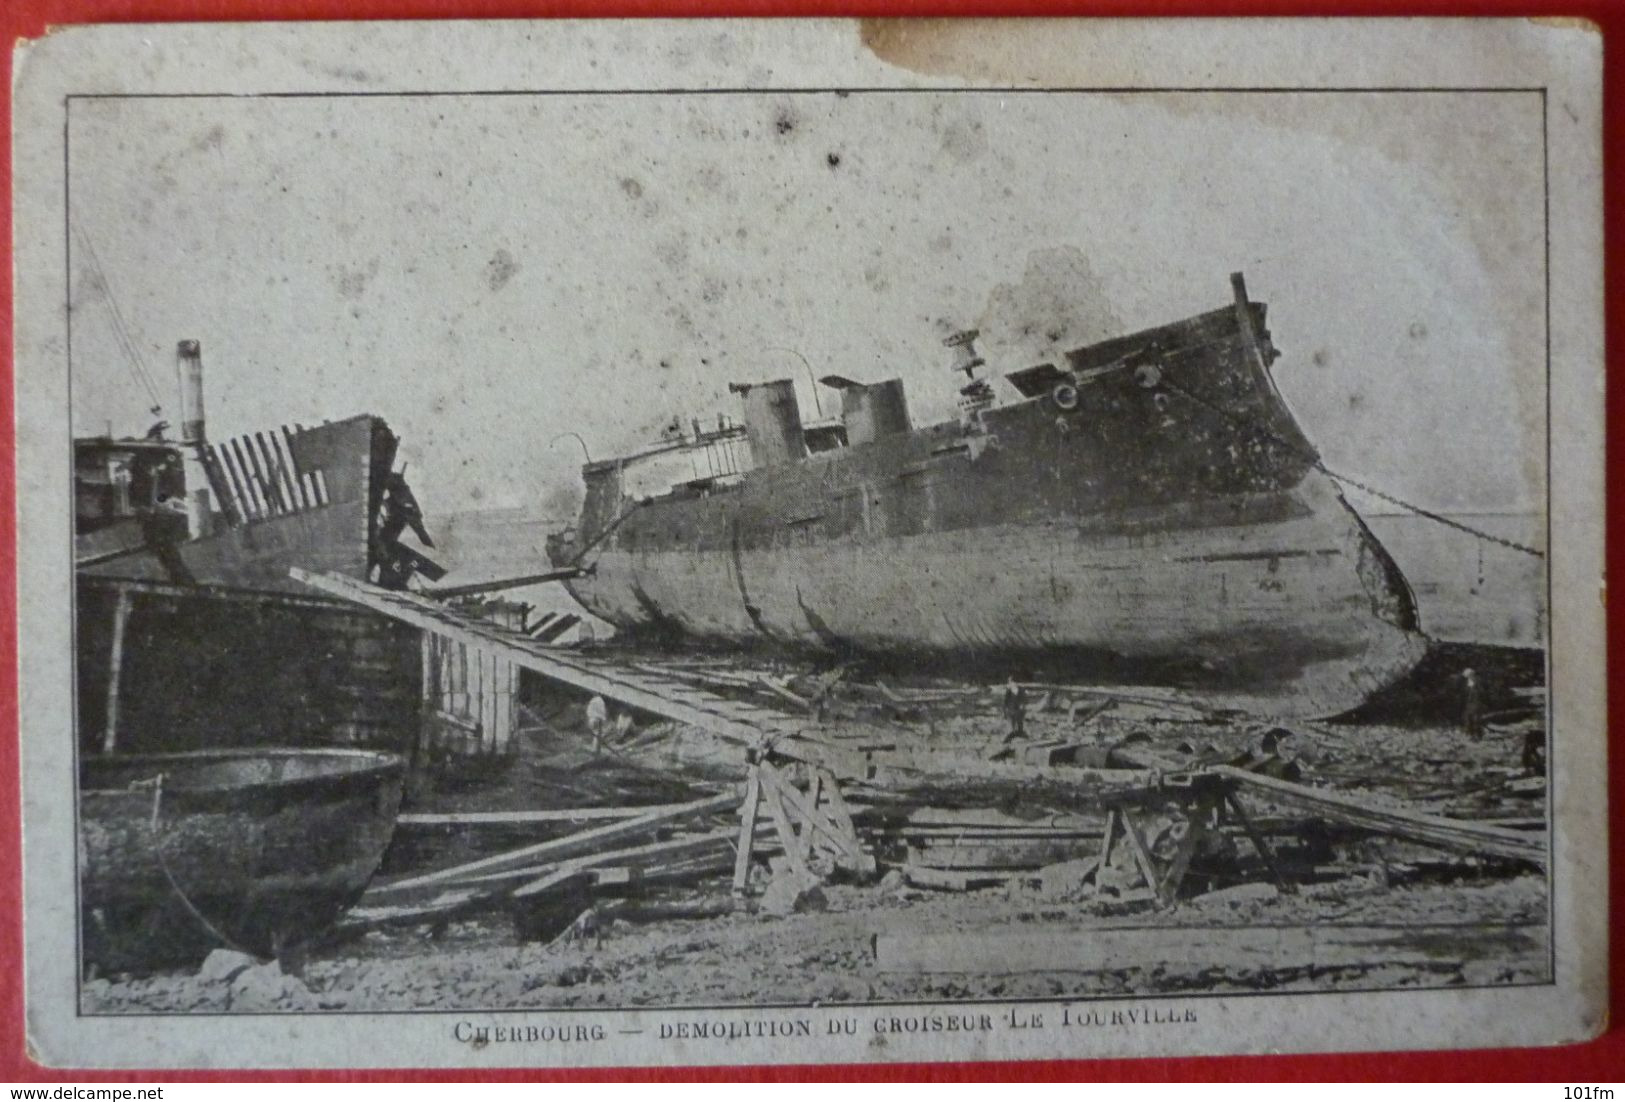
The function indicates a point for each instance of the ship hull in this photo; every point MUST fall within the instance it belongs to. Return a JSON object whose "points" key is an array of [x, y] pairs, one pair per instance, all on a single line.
{"points": [[1155, 503], [314, 505], [1286, 613]]}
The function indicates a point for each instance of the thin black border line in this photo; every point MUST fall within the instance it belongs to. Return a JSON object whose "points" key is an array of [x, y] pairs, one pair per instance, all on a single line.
{"points": [[1550, 876], [817, 1005], [1551, 696], [1002, 90], [73, 527]]}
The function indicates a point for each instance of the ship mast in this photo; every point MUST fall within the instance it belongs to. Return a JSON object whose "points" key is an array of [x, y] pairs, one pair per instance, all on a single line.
{"points": [[977, 393]]}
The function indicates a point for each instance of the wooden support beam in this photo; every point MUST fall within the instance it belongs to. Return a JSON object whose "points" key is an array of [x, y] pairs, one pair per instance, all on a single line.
{"points": [[1260, 843], [525, 818], [443, 592], [556, 628], [115, 666], [747, 832], [1451, 834], [839, 812], [814, 825], [1173, 874], [1142, 856], [796, 846]]}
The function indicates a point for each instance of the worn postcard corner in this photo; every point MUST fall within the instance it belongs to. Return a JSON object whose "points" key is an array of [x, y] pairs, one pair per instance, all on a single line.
{"points": [[729, 542]]}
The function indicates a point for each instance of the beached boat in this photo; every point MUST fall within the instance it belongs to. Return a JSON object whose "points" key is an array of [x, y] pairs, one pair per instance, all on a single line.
{"points": [[240, 512], [1149, 507], [255, 850]]}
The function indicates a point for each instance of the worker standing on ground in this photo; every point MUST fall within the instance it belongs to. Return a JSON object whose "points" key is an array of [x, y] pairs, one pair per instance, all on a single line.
{"points": [[597, 720], [1015, 710], [1472, 705]]}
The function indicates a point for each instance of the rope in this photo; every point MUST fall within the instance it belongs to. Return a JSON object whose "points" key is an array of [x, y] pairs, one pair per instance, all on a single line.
{"points": [[1435, 517], [121, 330], [1364, 487]]}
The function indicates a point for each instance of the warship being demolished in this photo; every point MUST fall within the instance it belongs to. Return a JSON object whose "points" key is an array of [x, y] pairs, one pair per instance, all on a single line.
{"points": [[1149, 505]]}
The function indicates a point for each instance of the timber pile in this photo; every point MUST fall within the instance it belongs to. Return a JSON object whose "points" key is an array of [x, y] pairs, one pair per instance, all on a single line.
{"points": [[1130, 835], [526, 878], [1141, 818]]}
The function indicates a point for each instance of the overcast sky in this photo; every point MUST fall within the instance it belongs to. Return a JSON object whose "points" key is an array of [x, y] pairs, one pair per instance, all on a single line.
{"points": [[489, 272]]}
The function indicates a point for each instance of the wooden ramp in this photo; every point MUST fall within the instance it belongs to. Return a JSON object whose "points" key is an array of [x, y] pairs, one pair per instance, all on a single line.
{"points": [[636, 687]]}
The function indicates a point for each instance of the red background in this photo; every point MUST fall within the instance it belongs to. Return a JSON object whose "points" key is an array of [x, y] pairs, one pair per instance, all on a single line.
{"points": [[1601, 1061]]}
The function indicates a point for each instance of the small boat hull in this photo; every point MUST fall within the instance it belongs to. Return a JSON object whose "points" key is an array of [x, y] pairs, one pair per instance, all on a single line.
{"points": [[254, 850]]}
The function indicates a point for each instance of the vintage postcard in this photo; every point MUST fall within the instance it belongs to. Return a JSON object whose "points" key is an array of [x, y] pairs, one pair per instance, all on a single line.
{"points": [[650, 543]]}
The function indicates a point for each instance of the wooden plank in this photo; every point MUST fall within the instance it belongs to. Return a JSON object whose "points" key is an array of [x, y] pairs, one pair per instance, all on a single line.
{"points": [[266, 471], [953, 880], [838, 811], [795, 846], [443, 592], [216, 475], [115, 666], [980, 835], [1451, 834], [557, 628], [245, 507], [261, 507], [613, 682], [367, 915], [482, 701], [506, 676], [522, 818], [716, 841], [278, 472], [1260, 843], [815, 822], [257, 477], [747, 831], [290, 476], [571, 845], [1026, 854], [993, 821], [1142, 855], [1253, 948], [784, 694], [307, 485]]}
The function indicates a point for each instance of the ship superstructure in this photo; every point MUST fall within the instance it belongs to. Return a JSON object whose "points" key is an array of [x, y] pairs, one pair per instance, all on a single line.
{"points": [[1150, 499]]}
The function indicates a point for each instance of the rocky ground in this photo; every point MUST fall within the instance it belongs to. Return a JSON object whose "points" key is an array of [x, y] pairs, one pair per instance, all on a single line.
{"points": [[1463, 921]]}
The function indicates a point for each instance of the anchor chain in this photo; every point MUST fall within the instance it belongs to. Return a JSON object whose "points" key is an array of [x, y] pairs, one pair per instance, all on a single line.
{"points": [[1320, 465]]}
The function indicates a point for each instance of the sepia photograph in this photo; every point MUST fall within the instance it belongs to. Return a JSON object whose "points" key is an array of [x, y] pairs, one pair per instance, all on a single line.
{"points": [[873, 561]]}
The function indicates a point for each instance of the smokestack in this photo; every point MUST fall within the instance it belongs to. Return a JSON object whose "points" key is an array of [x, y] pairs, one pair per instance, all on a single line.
{"points": [[772, 421], [189, 358], [870, 412]]}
